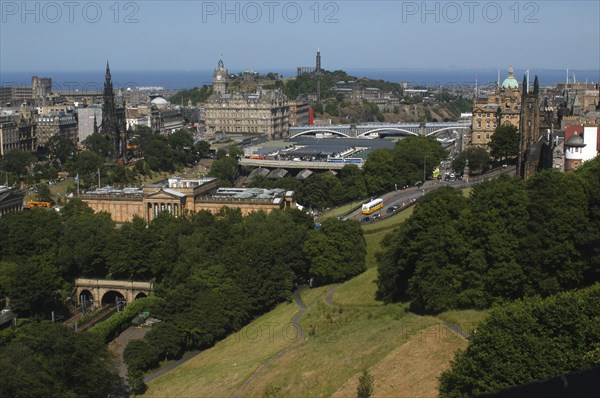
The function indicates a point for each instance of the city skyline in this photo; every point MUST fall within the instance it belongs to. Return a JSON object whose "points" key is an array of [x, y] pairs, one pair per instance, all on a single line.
{"points": [[280, 35]]}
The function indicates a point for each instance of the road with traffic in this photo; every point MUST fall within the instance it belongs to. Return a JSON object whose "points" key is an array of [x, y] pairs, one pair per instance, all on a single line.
{"points": [[403, 198]]}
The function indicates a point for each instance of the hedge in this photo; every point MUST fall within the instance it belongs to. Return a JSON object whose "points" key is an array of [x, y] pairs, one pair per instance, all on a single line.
{"points": [[113, 326]]}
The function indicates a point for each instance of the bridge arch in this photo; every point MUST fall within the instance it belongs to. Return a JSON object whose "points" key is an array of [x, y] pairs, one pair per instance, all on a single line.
{"points": [[140, 295], [397, 129], [314, 131], [449, 128]]}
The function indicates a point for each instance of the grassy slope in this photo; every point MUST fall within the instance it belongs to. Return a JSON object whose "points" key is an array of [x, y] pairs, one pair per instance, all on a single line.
{"points": [[405, 352]]}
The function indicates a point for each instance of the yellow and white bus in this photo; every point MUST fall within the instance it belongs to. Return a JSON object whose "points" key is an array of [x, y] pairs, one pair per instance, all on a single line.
{"points": [[372, 206]]}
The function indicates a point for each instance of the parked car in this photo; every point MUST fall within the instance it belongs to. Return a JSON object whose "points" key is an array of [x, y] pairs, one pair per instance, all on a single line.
{"points": [[392, 209], [365, 219]]}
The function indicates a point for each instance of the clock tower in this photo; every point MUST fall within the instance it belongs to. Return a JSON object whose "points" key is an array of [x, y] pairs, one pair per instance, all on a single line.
{"points": [[220, 79]]}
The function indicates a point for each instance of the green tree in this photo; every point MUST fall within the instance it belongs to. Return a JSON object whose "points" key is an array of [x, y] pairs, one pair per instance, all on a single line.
{"points": [[336, 252], [86, 164], [135, 380], [22, 375], [589, 174], [31, 233], [316, 192], [139, 355], [182, 142], [424, 252], [415, 156], [225, 169], [82, 246], [478, 159], [527, 340], [76, 207], [61, 149], [202, 148], [196, 95], [167, 339], [158, 154], [561, 264], [99, 144], [365, 385], [379, 171], [129, 251], [504, 142], [18, 161], [332, 109], [352, 183], [497, 218], [31, 285], [43, 193], [72, 364], [318, 108]]}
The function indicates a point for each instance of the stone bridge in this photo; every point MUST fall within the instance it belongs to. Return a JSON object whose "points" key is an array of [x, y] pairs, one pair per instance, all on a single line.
{"points": [[102, 291], [377, 130]]}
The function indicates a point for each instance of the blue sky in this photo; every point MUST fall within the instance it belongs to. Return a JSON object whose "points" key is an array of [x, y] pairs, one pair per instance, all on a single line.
{"points": [[275, 35]]}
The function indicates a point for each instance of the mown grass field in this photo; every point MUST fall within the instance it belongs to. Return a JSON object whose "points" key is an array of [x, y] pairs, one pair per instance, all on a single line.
{"points": [[404, 352]]}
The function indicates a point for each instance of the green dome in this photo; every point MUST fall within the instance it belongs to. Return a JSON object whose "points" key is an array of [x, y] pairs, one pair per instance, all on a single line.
{"points": [[510, 82]]}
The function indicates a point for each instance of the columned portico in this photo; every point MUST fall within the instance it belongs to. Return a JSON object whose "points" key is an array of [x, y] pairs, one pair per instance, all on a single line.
{"points": [[168, 200]]}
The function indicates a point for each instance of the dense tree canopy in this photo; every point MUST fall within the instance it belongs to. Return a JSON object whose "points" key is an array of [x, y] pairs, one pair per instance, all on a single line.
{"points": [[509, 239], [336, 251], [49, 359], [99, 144], [17, 161], [525, 341], [216, 272], [60, 149]]}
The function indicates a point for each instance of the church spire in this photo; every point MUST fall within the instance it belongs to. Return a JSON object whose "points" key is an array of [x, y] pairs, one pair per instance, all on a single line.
{"points": [[536, 86], [112, 124], [524, 85]]}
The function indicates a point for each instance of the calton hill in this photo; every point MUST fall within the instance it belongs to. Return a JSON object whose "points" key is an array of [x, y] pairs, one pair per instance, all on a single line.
{"points": [[279, 308], [438, 105]]}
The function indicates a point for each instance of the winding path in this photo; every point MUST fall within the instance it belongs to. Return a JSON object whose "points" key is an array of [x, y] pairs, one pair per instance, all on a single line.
{"points": [[171, 366], [302, 309], [456, 329]]}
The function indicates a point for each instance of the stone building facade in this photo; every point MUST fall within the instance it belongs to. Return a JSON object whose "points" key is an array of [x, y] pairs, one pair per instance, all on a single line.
{"points": [[11, 200], [61, 124], [501, 107], [179, 196], [298, 115], [18, 131], [262, 112]]}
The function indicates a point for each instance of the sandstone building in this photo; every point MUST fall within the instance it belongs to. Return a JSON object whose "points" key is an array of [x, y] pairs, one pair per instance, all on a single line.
{"points": [[501, 107], [179, 196], [262, 112]]}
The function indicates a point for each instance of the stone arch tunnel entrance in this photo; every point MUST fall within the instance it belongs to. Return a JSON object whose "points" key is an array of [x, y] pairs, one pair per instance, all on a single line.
{"points": [[104, 292], [110, 298]]}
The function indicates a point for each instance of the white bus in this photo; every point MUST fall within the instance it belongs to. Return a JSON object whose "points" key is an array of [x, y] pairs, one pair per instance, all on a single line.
{"points": [[372, 206]]}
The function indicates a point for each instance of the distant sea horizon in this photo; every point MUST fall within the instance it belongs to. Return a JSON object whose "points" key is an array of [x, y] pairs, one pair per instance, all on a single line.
{"points": [[186, 79]]}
